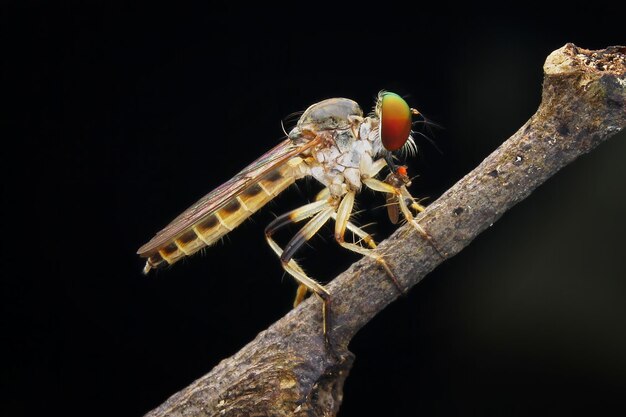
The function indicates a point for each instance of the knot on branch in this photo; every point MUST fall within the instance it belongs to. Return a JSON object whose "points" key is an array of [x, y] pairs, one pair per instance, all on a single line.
{"points": [[584, 90], [572, 59]]}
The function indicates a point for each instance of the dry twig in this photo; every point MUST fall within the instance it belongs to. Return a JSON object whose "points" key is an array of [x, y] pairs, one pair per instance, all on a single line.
{"points": [[288, 371]]}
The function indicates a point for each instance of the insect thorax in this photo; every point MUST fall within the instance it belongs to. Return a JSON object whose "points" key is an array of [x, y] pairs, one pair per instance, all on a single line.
{"points": [[350, 143]]}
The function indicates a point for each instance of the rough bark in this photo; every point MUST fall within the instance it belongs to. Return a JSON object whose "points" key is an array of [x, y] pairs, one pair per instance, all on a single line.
{"points": [[287, 370]]}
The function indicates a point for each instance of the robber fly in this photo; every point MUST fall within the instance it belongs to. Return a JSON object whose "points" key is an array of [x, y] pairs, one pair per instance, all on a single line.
{"points": [[338, 146]]}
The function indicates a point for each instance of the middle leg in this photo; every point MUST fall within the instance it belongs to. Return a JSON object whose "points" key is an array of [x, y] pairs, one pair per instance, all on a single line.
{"points": [[342, 221]]}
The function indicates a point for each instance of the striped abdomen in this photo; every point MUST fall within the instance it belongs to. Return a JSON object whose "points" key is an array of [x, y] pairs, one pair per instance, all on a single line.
{"points": [[211, 228]]}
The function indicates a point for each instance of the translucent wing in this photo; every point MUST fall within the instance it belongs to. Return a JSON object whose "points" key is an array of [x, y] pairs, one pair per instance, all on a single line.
{"points": [[225, 193]]}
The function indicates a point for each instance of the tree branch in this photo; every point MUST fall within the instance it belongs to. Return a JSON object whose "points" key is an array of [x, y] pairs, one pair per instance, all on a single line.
{"points": [[287, 370]]}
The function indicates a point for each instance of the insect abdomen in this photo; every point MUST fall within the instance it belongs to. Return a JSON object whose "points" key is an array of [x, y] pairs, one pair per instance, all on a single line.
{"points": [[210, 229]]}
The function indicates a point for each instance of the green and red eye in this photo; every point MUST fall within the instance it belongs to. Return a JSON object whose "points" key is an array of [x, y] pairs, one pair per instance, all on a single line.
{"points": [[395, 120]]}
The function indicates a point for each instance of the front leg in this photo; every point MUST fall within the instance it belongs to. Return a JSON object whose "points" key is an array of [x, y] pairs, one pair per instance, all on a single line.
{"points": [[406, 202]]}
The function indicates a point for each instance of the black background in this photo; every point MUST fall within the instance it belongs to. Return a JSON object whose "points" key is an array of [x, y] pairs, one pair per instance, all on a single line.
{"points": [[124, 116]]}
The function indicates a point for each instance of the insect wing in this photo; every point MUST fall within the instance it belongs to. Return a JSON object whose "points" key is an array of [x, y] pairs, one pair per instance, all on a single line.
{"points": [[217, 198]]}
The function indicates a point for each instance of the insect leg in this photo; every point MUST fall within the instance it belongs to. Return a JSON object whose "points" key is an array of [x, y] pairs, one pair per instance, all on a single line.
{"points": [[294, 216], [403, 196], [323, 195], [321, 211], [342, 221]]}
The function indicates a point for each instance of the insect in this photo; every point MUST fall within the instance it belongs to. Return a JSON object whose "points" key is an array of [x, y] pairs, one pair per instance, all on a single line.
{"points": [[338, 146]]}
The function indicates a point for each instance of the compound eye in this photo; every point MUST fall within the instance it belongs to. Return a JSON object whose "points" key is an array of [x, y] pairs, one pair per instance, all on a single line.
{"points": [[395, 121]]}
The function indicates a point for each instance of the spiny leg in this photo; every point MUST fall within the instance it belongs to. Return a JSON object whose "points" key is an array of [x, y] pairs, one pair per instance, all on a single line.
{"points": [[365, 237], [342, 221], [403, 195], [294, 216], [323, 195], [321, 211]]}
